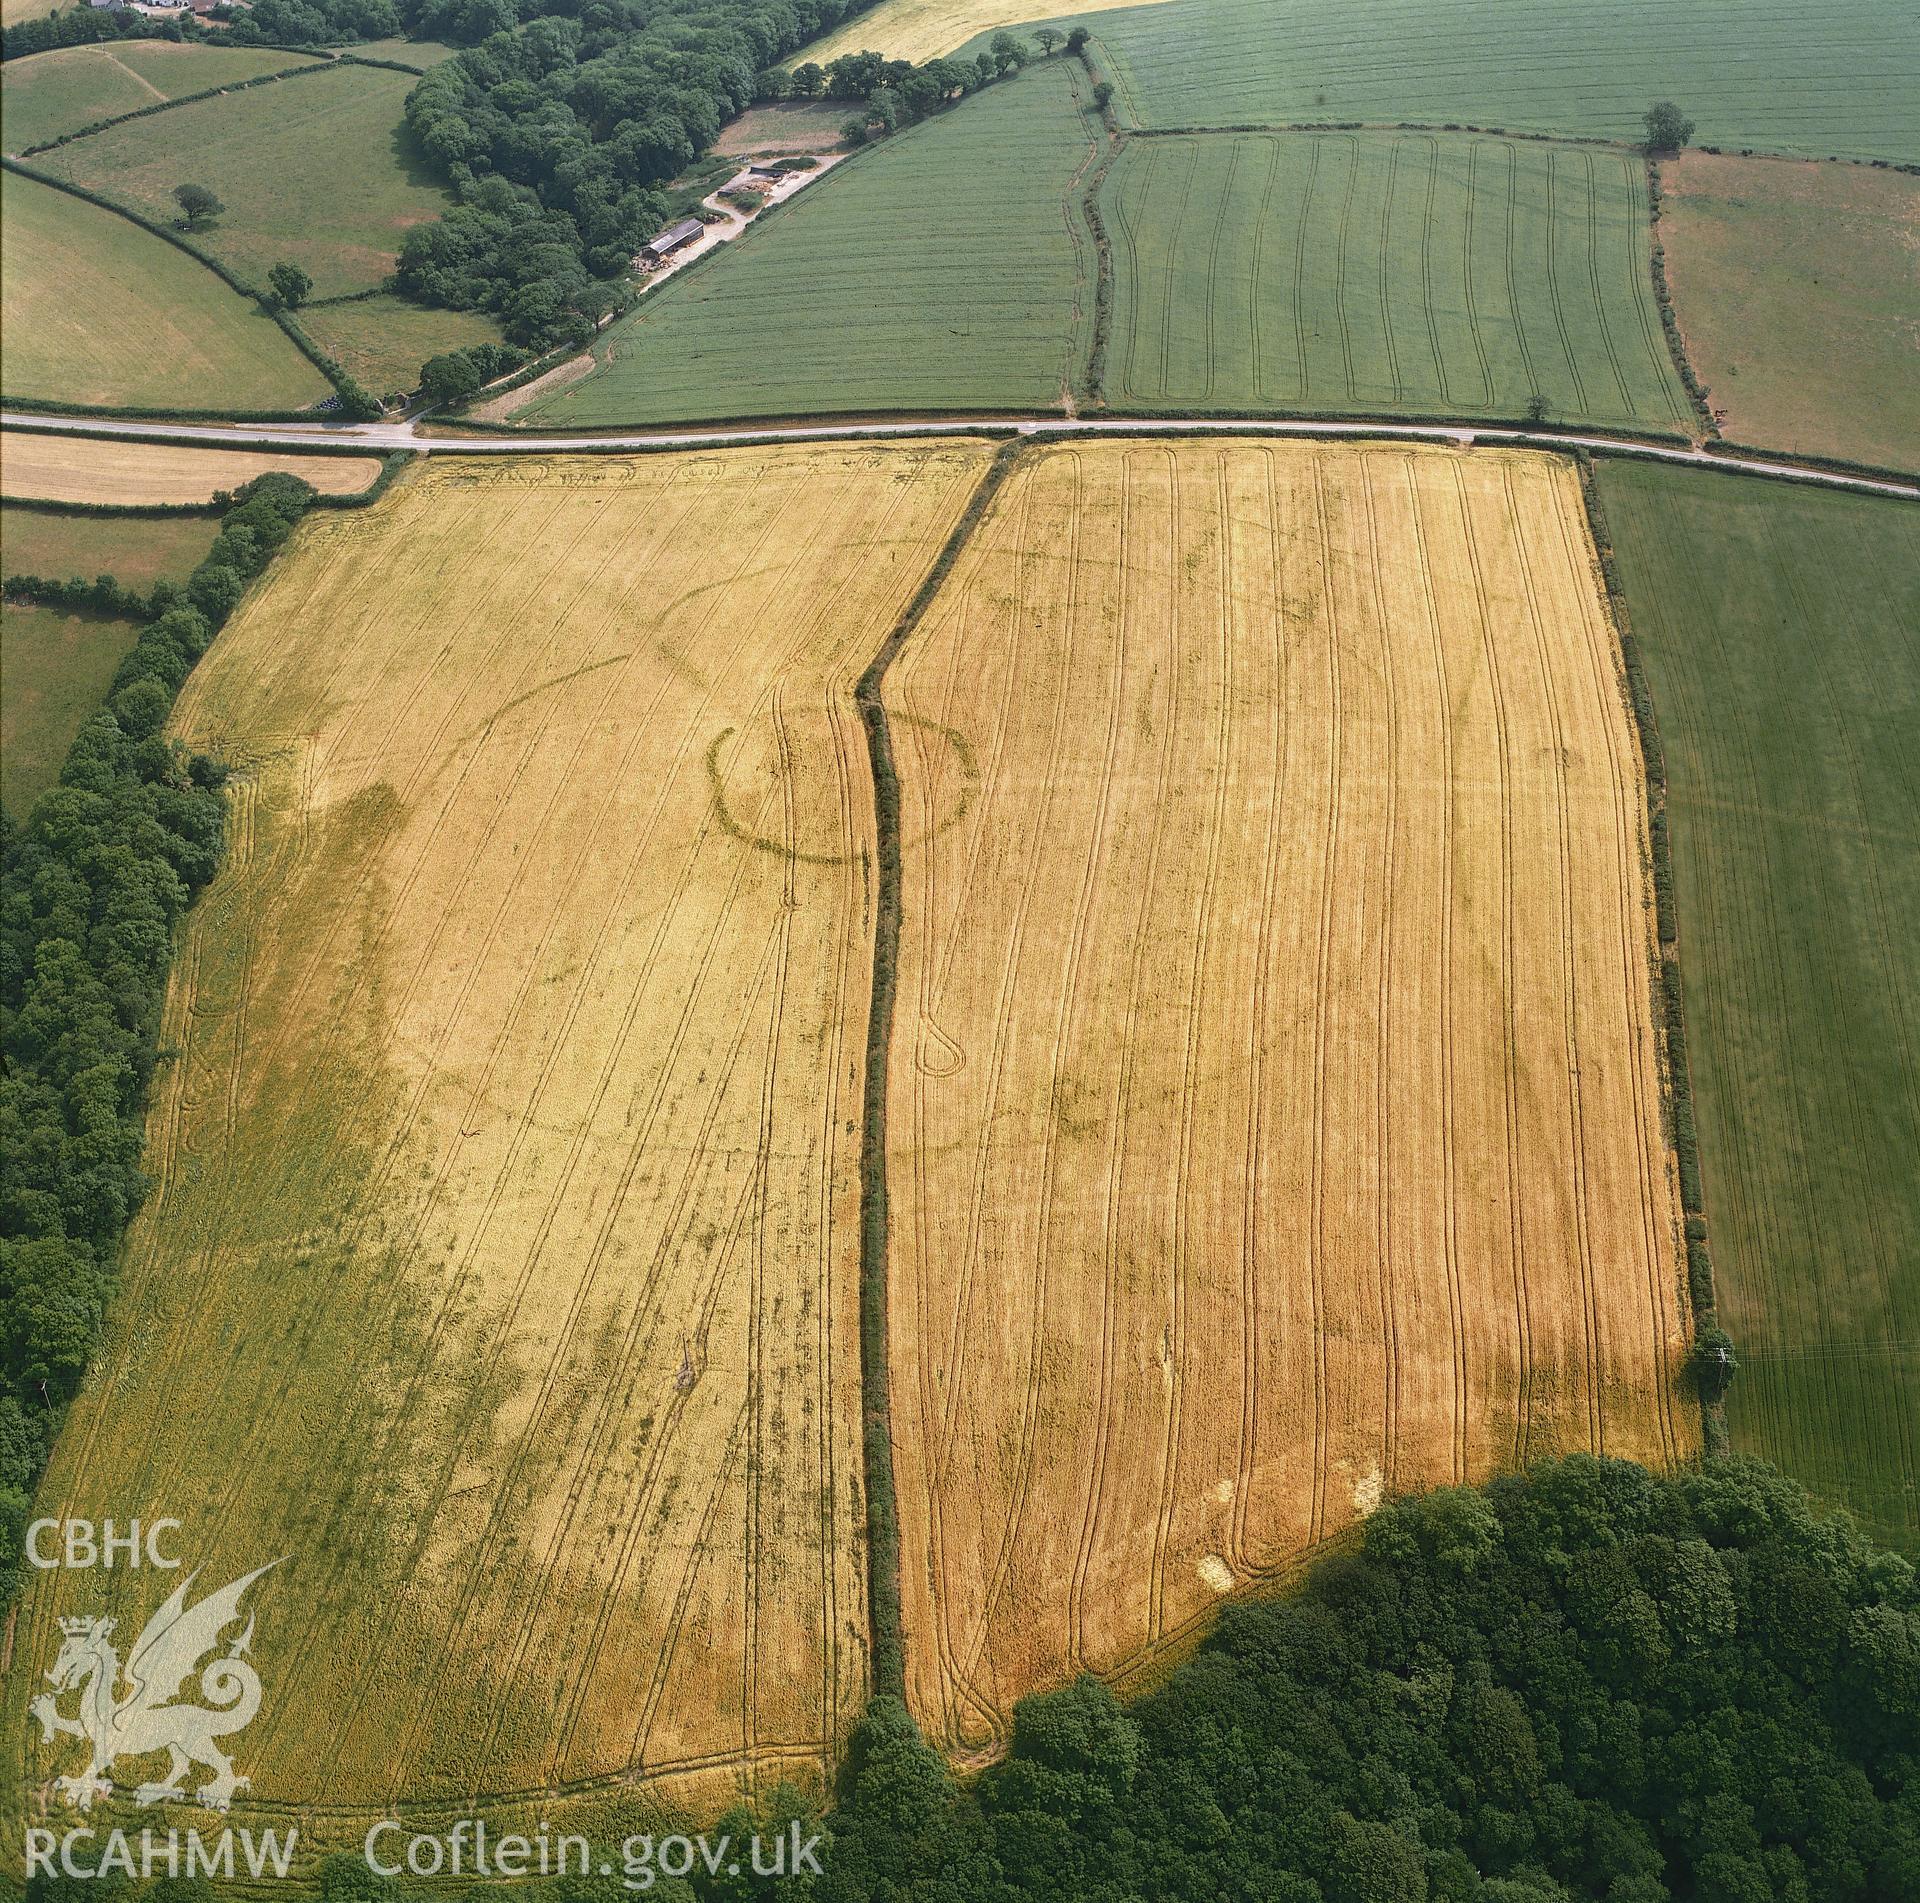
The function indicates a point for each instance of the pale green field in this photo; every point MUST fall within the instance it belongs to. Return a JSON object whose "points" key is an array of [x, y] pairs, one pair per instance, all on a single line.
{"points": [[98, 311], [313, 169], [383, 341], [136, 551], [57, 667], [55, 93]]}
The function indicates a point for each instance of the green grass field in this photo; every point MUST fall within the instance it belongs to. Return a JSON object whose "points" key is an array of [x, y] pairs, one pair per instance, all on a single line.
{"points": [[1840, 78], [316, 169], [1778, 626], [1798, 289], [136, 551], [420, 53], [947, 269], [57, 668], [55, 93], [98, 311], [1358, 271], [383, 341]]}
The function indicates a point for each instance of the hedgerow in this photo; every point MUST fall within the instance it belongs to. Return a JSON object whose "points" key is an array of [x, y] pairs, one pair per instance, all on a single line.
{"points": [[93, 886]]}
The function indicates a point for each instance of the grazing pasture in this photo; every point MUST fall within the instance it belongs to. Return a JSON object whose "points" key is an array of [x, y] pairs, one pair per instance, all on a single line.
{"points": [[1778, 627], [502, 1263], [948, 268], [124, 471], [1410, 272], [1772, 74], [98, 311], [1798, 291], [1274, 1104], [57, 668], [136, 551], [315, 169], [381, 342], [60, 92]]}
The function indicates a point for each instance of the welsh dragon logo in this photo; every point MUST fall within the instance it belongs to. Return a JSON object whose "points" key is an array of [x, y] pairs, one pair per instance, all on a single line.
{"points": [[146, 1720]]}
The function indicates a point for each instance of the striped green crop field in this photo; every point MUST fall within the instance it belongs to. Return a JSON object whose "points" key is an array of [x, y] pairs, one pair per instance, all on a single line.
{"points": [[945, 269], [1842, 78], [1435, 274], [1778, 630]]}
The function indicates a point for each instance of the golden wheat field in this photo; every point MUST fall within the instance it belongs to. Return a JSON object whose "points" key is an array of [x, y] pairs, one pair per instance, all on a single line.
{"points": [[99, 469], [1274, 1102], [501, 1271]]}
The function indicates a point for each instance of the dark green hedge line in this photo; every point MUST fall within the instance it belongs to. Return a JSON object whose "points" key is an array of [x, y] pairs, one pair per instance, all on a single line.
{"points": [[1711, 1361], [1376, 125], [385, 65], [102, 596], [128, 412], [883, 1516], [151, 510], [92, 889], [1840, 465], [1669, 323], [177, 439], [1094, 386], [167, 105], [349, 297], [1669, 927]]}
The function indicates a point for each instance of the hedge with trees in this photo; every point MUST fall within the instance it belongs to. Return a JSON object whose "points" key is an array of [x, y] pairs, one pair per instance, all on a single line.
{"points": [[92, 887]]}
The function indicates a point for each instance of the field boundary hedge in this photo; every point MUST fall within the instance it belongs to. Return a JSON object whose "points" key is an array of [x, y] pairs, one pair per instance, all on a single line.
{"points": [[134, 829], [1384, 125], [883, 1508], [1840, 465], [167, 105], [1697, 392], [42, 505], [1093, 388], [1709, 1340], [178, 439]]}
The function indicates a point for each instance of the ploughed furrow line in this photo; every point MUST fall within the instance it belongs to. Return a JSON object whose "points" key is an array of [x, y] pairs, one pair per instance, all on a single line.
{"points": [[523, 1241], [1307, 1143]]}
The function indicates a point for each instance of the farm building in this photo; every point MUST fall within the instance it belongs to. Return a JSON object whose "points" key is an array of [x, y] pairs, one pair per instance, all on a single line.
{"points": [[663, 244]]}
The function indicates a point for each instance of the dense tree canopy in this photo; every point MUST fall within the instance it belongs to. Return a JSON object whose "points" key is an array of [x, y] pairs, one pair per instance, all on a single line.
{"points": [[1583, 1682], [556, 128], [92, 887]]}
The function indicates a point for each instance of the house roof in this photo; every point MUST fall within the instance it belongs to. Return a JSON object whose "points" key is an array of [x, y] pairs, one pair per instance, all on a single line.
{"points": [[675, 235]]}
